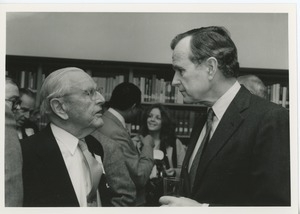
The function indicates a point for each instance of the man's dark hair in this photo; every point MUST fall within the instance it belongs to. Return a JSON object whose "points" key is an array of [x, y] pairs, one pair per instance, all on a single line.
{"points": [[28, 92], [215, 42], [124, 96]]}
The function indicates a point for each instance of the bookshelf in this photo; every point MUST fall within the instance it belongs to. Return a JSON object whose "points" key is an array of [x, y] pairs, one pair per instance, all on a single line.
{"points": [[154, 80]]}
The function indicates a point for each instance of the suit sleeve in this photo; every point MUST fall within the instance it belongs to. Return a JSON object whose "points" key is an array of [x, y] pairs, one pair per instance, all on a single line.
{"points": [[139, 164], [271, 160], [118, 176]]}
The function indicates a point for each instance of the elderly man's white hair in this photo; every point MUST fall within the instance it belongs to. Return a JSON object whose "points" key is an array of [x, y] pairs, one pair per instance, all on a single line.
{"points": [[55, 85]]}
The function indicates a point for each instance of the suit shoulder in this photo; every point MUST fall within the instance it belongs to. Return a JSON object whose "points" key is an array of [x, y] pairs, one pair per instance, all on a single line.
{"points": [[106, 142], [266, 104], [100, 137], [263, 108], [35, 138]]}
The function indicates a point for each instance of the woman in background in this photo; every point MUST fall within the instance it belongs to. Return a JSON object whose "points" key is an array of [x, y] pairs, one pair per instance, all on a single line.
{"points": [[157, 122]]}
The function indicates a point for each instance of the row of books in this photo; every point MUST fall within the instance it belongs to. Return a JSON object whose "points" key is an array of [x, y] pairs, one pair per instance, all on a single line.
{"points": [[183, 120], [157, 90], [107, 84], [153, 89], [28, 79], [278, 94]]}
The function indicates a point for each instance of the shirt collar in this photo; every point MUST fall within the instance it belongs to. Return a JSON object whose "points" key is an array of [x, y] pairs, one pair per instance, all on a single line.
{"points": [[224, 101], [118, 115], [65, 138]]}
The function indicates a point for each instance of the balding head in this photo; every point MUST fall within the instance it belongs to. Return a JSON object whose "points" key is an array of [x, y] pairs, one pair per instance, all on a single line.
{"points": [[57, 84], [254, 85]]}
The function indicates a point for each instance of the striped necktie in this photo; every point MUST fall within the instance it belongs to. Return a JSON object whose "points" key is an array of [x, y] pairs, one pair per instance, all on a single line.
{"points": [[95, 170], [202, 147]]}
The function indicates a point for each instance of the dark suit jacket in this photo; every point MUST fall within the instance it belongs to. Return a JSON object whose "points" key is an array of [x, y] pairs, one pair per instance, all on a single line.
{"points": [[28, 125], [138, 165], [45, 176], [247, 160]]}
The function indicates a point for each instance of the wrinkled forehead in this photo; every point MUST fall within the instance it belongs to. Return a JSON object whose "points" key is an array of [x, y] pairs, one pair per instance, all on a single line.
{"points": [[79, 79], [182, 49]]}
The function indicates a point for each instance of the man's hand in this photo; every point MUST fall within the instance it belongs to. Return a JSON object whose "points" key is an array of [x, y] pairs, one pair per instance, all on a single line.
{"points": [[172, 201], [170, 172]]}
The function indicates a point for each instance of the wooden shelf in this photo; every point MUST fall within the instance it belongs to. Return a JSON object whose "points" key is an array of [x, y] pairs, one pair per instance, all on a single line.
{"points": [[39, 67], [176, 105]]}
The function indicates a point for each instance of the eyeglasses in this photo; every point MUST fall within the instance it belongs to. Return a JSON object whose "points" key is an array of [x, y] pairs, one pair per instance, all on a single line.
{"points": [[92, 93], [24, 110], [16, 102]]}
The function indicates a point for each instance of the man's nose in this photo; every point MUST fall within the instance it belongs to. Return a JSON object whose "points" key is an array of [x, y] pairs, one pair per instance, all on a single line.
{"points": [[27, 115], [100, 99], [175, 81]]}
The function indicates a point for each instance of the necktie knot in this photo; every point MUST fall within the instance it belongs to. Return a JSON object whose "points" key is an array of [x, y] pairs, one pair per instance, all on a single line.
{"points": [[82, 145], [210, 116]]}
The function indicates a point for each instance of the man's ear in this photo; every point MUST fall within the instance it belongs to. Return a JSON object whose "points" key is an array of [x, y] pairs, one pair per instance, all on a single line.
{"points": [[59, 108], [212, 64]]}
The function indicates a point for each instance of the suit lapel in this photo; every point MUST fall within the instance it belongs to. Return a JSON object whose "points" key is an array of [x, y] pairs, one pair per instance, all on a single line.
{"points": [[54, 169], [229, 123]]}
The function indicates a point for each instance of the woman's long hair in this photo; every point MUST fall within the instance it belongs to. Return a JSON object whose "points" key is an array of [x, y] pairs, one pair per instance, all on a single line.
{"points": [[167, 132]]}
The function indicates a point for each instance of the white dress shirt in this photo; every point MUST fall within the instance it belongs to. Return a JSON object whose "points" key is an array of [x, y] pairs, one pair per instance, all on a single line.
{"points": [[75, 163], [219, 109]]}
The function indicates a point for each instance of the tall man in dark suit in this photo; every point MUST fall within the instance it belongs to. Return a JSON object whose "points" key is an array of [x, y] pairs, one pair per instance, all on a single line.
{"points": [[245, 158], [58, 169]]}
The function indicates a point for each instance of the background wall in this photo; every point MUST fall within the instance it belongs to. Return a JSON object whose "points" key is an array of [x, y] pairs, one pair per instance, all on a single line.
{"points": [[261, 38]]}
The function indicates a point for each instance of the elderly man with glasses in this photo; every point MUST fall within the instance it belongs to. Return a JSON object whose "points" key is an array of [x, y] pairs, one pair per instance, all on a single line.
{"points": [[62, 163]]}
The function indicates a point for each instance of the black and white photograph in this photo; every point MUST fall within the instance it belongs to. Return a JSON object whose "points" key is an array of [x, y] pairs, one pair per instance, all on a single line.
{"points": [[152, 107]]}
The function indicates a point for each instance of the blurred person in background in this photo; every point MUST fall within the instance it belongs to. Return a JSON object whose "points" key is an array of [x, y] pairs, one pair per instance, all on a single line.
{"points": [[123, 108], [13, 155], [157, 122], [25, 126], [254, 84]]}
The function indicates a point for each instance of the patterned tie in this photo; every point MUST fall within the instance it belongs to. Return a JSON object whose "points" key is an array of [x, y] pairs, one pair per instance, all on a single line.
{"points": [[202, 147], [95, 170]]}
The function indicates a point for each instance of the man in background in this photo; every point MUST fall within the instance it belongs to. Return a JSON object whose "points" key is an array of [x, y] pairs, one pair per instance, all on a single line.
{"points": [[123, 108], [13, 155], [254, 85], [239, 155], [25, 126], [62, 163]]}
